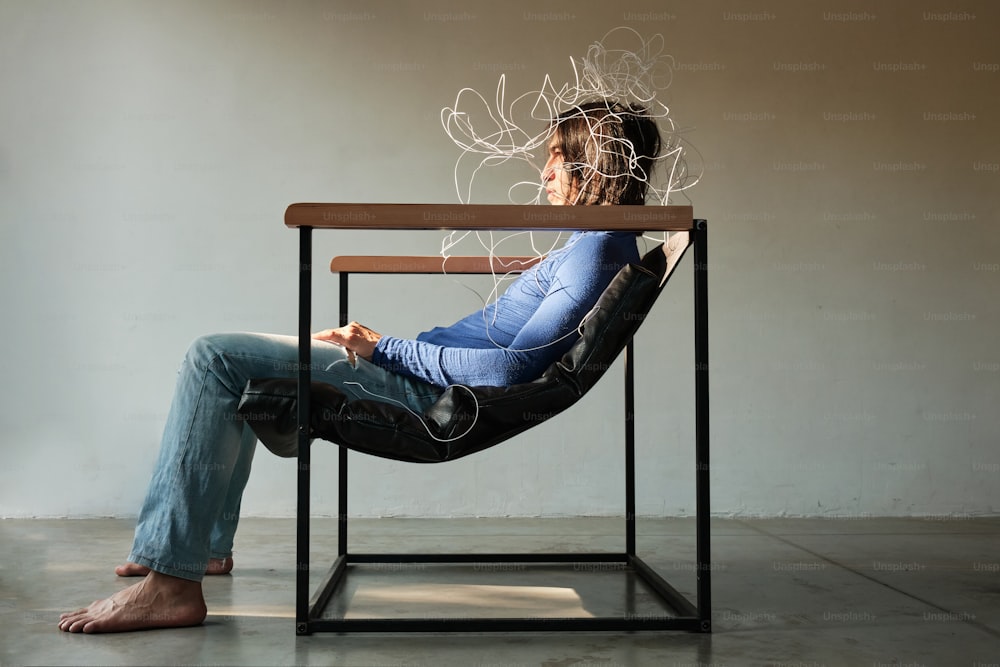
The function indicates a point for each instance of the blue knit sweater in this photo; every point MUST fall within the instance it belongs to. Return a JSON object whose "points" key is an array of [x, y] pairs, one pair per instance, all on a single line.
{"points": [[533, 323]]}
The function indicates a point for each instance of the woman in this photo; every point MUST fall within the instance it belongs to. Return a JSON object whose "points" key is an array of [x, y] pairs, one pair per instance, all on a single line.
{"points": [[599, 154]]}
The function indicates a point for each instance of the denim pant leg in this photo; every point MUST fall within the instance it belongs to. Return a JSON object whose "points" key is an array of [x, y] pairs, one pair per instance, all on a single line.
{"points": [[224, 530], [192, 505]]}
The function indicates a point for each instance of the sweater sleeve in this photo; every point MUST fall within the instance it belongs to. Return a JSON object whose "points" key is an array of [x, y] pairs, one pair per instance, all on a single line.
{"points": [[549, 331]]}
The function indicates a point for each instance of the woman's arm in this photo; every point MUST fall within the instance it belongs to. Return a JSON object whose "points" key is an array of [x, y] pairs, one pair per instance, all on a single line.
{"points": [[573, 287]]}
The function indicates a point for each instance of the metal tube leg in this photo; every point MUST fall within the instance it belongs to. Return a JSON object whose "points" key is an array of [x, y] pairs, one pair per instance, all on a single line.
{"points": [[629, 450], [342, 456], [701, 423], [302, 509]]}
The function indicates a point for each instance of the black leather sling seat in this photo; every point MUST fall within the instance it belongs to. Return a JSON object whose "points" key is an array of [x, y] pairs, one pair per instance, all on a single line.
{"points": [[465, 420]]}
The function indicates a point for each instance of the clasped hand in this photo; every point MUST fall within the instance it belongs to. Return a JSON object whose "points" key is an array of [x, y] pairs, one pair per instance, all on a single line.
{"points": [[354, 337]]}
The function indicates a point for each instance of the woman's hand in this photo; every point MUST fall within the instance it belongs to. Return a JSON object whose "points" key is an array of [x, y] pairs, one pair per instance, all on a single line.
{"points": [[355, 337]]}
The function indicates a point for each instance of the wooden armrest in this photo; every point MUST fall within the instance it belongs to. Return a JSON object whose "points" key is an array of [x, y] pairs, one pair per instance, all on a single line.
{"points": [[491, 216], [429, 264]]}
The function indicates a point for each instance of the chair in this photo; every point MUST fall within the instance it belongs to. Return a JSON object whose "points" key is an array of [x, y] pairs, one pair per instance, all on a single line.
{"points": [[467, 420]]}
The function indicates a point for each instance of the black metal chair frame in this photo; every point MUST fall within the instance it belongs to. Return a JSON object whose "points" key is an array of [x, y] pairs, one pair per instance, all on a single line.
{"points": [[689, 616]]}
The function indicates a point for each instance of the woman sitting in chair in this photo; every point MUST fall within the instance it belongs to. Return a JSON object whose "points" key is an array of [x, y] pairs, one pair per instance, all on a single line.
{"points": [[599, 153]]}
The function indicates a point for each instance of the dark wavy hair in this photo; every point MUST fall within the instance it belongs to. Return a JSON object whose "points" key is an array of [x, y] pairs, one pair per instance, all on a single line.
{"points": [[610, 150]]}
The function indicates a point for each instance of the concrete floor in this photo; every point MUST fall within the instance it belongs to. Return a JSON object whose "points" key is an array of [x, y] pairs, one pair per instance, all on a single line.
{"points": [[791, 592]]}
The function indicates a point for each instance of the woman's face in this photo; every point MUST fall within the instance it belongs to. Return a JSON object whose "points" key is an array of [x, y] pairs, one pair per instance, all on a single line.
{"points": [[555, 177]]}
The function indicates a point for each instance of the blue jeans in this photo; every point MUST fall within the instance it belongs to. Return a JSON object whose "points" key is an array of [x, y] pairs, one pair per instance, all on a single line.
{"points": [[193, 504]]}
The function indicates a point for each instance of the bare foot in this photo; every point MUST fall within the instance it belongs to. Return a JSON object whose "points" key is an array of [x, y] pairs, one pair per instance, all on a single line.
{"points": [[158, 601], [215, 566]]}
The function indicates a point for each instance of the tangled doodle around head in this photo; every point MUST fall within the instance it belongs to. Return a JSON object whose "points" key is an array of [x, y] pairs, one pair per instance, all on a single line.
{"points": [[626, 81]]}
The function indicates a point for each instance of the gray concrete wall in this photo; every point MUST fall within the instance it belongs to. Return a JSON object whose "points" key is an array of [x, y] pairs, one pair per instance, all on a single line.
{"points": [[851, 169]]}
